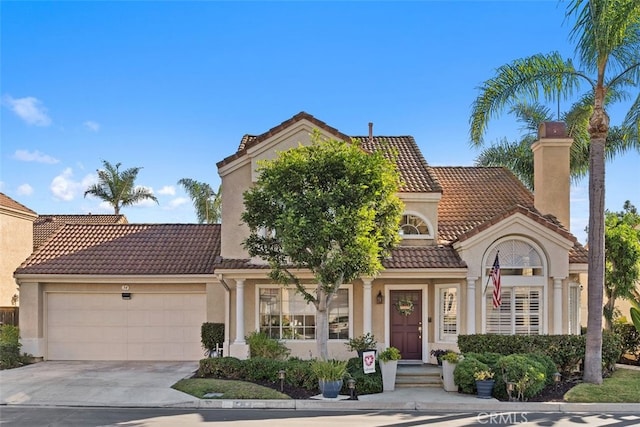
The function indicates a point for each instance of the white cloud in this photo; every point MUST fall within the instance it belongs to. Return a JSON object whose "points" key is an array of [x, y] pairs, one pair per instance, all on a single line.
{"points": [[29, 109], [34, 156], [25, 190], [64, 187], [167, 190], [92, 126], [178, 202]]}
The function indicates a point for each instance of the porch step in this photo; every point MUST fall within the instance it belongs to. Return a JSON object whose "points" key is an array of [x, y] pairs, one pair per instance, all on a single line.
{"points": [[418, 375]]}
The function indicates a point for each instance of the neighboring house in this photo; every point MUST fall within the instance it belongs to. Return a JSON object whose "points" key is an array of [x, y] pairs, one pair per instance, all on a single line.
{"points": [[140, 291], [16, 242], [45, 225]]}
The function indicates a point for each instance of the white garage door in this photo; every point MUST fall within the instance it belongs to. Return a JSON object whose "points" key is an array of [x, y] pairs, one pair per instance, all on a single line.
{"points": [[105, 327]]}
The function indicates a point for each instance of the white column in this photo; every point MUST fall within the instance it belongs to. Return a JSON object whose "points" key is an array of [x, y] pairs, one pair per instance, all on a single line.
{"points": [[366, 306], [239, 311], [557, 306], [471, 305]]}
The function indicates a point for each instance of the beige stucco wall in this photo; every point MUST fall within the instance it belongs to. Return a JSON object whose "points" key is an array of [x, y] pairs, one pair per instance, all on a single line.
{"points": [[551, 178], [623, 305], [16, 244]]}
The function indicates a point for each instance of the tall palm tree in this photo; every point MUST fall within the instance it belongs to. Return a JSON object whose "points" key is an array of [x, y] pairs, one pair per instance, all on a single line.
{"points": [[208, 203], [607, 33], [518, 157], [117, 187]]}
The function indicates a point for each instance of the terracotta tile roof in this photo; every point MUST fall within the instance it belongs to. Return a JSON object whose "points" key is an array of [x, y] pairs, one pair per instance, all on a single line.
{"points": [[45, 225], [424, 257], [472, 196], [402, 257], [127, 249], [416, 173], [249, 141], [8, 202], [578, 254]]}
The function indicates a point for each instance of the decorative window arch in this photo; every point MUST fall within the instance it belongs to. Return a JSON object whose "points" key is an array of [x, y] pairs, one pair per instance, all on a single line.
{"points": [[415, 226], [523, 284]]}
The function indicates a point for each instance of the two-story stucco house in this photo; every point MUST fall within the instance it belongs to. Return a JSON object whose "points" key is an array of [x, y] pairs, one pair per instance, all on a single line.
{"points": [[121, 282]]}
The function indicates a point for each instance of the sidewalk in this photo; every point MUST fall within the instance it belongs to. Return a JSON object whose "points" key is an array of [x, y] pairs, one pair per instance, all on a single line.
{"points": [[148, 384]]}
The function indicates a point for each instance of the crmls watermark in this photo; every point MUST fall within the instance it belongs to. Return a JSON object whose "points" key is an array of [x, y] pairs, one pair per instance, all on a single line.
{"points": [[502, 418]]}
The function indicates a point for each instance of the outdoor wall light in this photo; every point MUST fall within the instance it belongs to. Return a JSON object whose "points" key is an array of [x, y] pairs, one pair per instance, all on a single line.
{"points": [[379, 298]]}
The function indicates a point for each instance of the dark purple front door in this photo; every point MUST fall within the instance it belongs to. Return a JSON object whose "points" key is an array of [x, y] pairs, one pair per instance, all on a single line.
{"points": [[406, 323]]}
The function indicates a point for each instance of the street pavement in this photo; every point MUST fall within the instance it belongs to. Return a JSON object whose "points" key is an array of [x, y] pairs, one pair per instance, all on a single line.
{"points": [[148, 385]]}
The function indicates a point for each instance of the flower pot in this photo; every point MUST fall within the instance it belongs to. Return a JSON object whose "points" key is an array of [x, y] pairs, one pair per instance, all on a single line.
{"points": [[485, 388], [330, 388], [447, 376], [388, 371]]}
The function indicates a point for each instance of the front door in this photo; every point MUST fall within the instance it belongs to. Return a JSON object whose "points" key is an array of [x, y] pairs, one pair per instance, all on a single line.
{"points": [[405, 319]]}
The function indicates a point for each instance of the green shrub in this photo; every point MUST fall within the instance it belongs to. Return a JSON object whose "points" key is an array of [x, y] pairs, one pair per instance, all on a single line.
{"points": [[365, 383], [549, 365], [361, 343], [629, 337], [330, 370], [611, 351], [298, 374], [261, 345], [221, 367], [463, 373], [527, 374], [212, 334], [263, 369], [10, 347]]}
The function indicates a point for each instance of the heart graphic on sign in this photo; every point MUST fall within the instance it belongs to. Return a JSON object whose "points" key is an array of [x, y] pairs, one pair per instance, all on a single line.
{"points": [[368, 360]]}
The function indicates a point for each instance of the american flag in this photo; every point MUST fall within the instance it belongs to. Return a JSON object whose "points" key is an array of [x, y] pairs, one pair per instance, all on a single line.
{"points": [[495, 279]]}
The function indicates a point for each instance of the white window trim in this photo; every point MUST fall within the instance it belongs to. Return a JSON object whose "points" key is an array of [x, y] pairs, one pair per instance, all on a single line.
{"points": [[517, 281], [348, 287], [438, 305], [429, 235], [575, 287]]}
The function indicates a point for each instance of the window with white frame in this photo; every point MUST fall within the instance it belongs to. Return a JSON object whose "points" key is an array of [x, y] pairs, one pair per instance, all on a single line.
{"points": [[414, 226], [284, 314], [523, 280], [447, 303]]}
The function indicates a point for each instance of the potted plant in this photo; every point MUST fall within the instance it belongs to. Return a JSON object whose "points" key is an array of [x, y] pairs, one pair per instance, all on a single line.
{"points": [[449, 360], [366, 342], [438, 355], [388, 359], [484, 383], [330, 375]]}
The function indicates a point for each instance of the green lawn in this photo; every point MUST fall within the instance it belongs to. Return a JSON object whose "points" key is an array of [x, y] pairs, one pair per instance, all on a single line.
{"points": [[622, 387], [229, 389]]}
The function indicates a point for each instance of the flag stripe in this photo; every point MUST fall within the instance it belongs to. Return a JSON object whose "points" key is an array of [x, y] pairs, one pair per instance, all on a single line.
{"points": [[495, 279]]}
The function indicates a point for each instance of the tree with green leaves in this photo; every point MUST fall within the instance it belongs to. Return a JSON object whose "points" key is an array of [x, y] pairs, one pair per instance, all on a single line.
{"points": [[329, 208], [622, 255], [518, 157], [607, 33], [118, 188], [206, 201]]}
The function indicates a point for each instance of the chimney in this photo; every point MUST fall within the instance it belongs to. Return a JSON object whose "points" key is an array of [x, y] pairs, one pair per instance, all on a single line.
{"points": [[551, 178], [370, 132]]}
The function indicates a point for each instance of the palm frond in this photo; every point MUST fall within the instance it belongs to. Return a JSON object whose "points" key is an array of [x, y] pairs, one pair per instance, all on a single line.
{"points": [[533, 78]]}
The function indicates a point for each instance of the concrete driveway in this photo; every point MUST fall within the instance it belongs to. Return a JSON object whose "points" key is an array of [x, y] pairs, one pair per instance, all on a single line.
{"points": [[122, 384]]}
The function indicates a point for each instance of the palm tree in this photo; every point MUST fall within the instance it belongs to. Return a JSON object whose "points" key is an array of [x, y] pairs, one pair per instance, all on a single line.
{"points": [[208, 203], [117, 187], [518, 157], [607, 33]]}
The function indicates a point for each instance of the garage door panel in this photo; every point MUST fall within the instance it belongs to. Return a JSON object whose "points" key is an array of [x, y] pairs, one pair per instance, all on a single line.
{"points": [[105, 327]]}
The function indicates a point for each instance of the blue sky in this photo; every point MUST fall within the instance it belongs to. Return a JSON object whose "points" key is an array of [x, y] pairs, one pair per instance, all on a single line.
{"points": [[173, 86]]}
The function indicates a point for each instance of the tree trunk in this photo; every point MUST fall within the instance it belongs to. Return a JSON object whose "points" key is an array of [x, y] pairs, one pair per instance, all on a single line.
{"points": [[598, 129], [322, 322]]}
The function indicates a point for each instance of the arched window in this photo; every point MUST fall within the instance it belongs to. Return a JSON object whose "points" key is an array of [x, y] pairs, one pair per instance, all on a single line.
{"points": [[523, 278], [414, 226]]}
